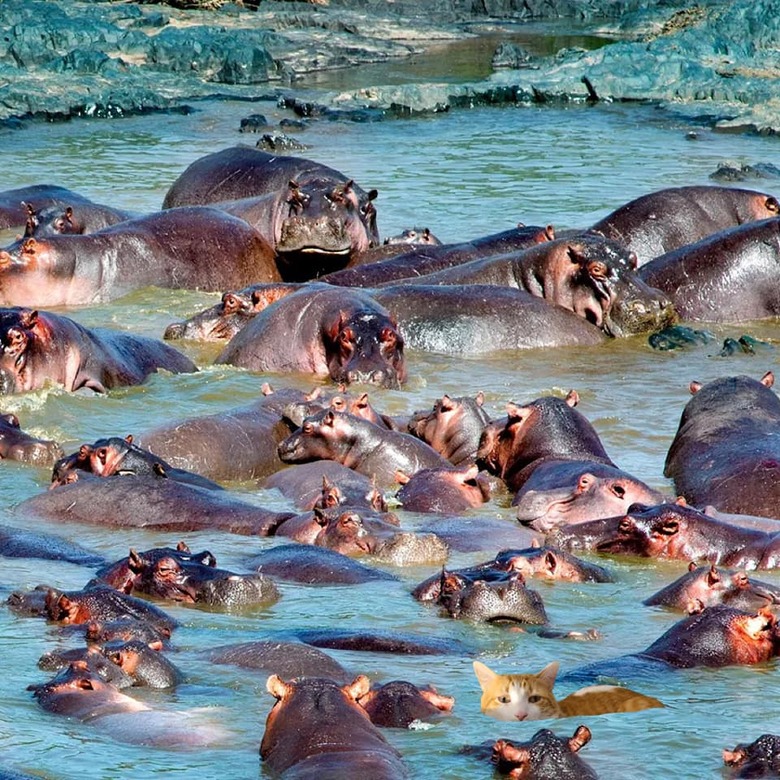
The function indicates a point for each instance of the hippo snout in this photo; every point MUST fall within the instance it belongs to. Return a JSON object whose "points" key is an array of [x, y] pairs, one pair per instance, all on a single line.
{"points": [[641, 315], [377, 376], [321, 234]]}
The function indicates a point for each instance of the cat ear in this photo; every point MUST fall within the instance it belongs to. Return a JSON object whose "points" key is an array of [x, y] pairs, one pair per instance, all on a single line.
{"points": [[485, 676], [549, 673]]}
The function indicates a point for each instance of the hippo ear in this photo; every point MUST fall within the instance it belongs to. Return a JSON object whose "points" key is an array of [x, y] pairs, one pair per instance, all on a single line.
{"points": [[401, 478], [155, 645], [360, 686], [159, 470], [581, 738], [680, 501], [441, 702], [319, 517], [551, 562], [134, 561], [276, 686], [692, 566], [768, 379], [29, 246], [266, 389], [535, 543], [572, 398], [183, 547], [517, 414], [11, 419], [28, 318], [694, 607], [479, 398], [549, 232], [695, 386], [329, 418], [485, 675], [446, 404], [713, 576]]}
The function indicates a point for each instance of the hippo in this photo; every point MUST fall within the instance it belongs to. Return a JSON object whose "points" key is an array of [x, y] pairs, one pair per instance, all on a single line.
{"points": [[760, 758], [699, 277], [316, 728], [360, 445], [124, 573], [72, 220], [709, 585], [189, 579], [150, 502], [291, 659], [98, 632], [326, 331], [378, 267], [16, 444], [443, 490], [680, 532], [345, 529], [98, 602], [397, 704], [326, 484], [393, 642], [314, 566], [478, 319], [116, 456], [79, 693], [453, 427], [94, 657], [711, 637], [13, 203], [725, 452], [478, 534], [236, 308], [40, 347], [589, 275], [315, 217], [505, 601], [545, 757], [662, 221], [547, 431], [414, 236], [23, 543], [237, 444], [172, 249], [592, 498]]}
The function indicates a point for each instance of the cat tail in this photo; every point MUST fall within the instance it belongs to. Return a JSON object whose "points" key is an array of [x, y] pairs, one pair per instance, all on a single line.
{"points": [[601, 699]]}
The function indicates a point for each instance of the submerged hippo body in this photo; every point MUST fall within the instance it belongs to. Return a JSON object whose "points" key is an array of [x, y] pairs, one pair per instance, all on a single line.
{"points": [[325, 331], [712, 637], [237, 444], [190, 248], [41, 347], [315, 217], [16, 444], [443, 490], [419, 261], [318, 730], [23, 543], [699, 278], [477, 319], [760, 758], [360, 445], [726, 452], [151, 502], [659, 222], [589, 275]]}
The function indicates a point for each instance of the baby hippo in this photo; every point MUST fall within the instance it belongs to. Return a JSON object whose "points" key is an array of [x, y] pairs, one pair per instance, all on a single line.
{"points": [[443, 490]]}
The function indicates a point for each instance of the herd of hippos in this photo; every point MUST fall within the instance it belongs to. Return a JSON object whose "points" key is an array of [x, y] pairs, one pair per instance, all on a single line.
{"points": [[308, 287]]}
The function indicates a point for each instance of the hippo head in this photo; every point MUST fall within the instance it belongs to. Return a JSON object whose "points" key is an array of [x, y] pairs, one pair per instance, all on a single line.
{"points": [[345, 533], [52, 221], [761, 758], [365, 346], [545, 757], [324, 226], [23, 335], [596, 278], [415, 236], [396, 704], [15, 444]]}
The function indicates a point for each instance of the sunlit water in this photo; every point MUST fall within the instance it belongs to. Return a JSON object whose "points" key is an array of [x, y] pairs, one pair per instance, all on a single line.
{"points": [[463, 174]]}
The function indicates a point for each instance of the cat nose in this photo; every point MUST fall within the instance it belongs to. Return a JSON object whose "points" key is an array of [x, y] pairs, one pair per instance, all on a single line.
{"points": [[521, 715]]}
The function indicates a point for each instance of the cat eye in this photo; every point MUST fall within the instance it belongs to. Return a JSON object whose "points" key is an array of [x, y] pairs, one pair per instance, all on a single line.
{"points": [[534, 699], [504, 699]]}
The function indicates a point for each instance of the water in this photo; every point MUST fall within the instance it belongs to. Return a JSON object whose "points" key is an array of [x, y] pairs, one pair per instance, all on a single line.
{"points": [[463, 174]]}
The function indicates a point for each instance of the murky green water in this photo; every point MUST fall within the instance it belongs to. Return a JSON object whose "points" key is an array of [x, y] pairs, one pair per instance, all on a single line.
{"points": [[463, 174]]}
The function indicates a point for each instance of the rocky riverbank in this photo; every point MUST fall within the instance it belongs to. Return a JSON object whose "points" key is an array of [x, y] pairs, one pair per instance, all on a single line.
{"points": [[718, 61]]}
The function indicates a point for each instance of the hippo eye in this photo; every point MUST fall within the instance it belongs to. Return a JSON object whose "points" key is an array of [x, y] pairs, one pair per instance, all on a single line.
{"points": [[307, 428], [102, 454], [772, 205], [338, 404], [347, 336], [625, 525], [387, 335], [598, 270]]}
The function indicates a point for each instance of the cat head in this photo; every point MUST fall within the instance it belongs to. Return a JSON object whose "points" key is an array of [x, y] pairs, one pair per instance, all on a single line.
{"points": [[518, 696]]}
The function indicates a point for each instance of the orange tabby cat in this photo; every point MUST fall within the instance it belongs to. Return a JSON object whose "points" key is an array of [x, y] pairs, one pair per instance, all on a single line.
{"points": [[530, 696]]}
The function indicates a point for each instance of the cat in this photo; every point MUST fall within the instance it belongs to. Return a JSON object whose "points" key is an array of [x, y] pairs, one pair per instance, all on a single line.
{"points": [[530, 696]]}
